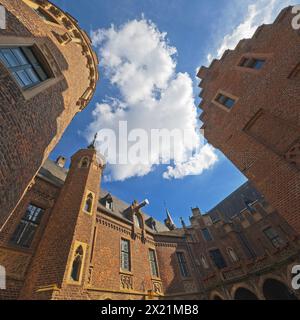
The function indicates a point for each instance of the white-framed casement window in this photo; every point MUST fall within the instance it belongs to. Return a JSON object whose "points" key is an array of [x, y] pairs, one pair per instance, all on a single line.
{"points": [[125, 255]]}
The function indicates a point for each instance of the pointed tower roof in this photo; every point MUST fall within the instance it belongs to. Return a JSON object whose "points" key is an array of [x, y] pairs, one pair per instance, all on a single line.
{"points": [[92, 145], [169, 221]]}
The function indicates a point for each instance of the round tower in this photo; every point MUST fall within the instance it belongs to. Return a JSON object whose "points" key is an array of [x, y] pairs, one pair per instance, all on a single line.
{"points": [[48, 74]]}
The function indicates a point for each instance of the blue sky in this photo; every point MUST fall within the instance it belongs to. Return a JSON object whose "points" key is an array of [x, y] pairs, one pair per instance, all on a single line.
{"points": [[199, 30]]}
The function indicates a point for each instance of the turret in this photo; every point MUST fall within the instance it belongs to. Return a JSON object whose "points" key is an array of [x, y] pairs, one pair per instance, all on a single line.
{"points": [[66, 248]]}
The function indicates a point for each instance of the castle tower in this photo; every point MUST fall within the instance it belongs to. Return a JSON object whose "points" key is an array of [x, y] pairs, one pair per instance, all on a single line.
{"points": [[250, 103], [61, 265], [48, 75]]}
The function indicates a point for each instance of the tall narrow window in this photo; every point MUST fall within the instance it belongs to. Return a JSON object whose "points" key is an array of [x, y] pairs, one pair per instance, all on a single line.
{"points": [[274, 237], [218, 259], [77, 264], [23, 65], [206, 234], [233, 255], [125, 255], [88, 203], [204, 262], [252, 63], [183, 265], [27, 227], [225, 101], [153, 263]]}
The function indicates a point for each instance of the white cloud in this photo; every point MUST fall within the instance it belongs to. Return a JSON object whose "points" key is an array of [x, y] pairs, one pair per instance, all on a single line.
{"points": [[258, 12], [195, 165], [140, 64]]}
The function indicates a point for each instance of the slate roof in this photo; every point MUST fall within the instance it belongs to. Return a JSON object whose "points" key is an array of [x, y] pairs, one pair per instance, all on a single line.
{"points": [[235, 202], [52, 172]]}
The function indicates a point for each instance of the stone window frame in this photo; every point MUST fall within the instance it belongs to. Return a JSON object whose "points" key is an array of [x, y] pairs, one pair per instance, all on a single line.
{"points": [[281, 240], [253, 55], [124, 271], [210, 236], [154, 277], [23, 219], [76, 245], [227, 94], [234, 258], [11, 41], [188, 275], [87, 193]]}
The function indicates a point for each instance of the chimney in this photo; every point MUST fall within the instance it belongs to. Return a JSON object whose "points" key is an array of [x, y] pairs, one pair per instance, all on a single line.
{"points": [[61, 161]]}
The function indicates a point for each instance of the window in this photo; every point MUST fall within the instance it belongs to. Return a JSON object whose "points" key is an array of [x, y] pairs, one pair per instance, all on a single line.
{"points": [[225, 101], [77, 264], [274, 237], [218, 259], [206, 235], [137, 221], [45, 15], [88, 203], [84, 162], [252, 63], [23, 65], [27, 227], [182, 264], [125, 255], [232, 255], [204, 262], [153, 263], [109, 205]]}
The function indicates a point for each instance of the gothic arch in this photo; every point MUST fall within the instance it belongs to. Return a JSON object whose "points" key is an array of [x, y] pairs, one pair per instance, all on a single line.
{"points": [[84, 162], [244, 292], [215, 295], [274, 289]]}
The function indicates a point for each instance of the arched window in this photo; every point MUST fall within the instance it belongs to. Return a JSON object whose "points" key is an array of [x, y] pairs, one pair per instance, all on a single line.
{"points": [[88, 203], [233, 255], [84, 163], [204, 262], [138, 221], [77, 264]]}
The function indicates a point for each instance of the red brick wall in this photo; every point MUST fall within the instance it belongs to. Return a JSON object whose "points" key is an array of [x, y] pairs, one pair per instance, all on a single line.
{"points": [[258, 132], [32, 126]]}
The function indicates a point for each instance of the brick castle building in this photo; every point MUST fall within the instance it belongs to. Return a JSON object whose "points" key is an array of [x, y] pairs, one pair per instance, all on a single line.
{"points": [[68, 239], [48, 74], [251, 111]]}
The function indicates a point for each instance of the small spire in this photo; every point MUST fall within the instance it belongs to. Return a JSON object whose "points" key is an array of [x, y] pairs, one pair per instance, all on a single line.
{"points": [[93, 144], [169, 221], [182, 222]]}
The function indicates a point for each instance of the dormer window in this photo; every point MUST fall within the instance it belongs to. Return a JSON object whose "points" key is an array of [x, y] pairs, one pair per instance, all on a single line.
{"points": [[109, 205]]}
